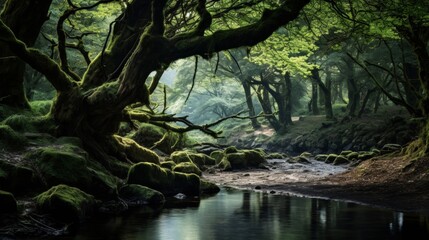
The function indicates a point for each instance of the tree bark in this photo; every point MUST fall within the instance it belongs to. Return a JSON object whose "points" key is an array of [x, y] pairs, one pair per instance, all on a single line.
{"points": [[326, 92], [314, 98], [249, 102], [24, 18]]}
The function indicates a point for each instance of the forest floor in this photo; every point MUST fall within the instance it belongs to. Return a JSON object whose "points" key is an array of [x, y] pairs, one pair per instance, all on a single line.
{"points": [[390, 181]]}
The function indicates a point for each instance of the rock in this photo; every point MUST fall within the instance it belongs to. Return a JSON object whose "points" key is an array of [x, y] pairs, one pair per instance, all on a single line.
{"points": [[275, 156], [11, 140], [253, 158], [7, 202], [224, 164], [331, 158], [321, 157], [66, 203], [237, 160], [137, 152], [187, 167], [341, 160], [230, 149], [199, 159], [167, 182], [69, 165], [180, 196], [299, 159], [366, 155], [217, 155], [306, 155], [352, 155], [207, 187], [168, 164], [345, 153], [135, 194], [15, 178]]}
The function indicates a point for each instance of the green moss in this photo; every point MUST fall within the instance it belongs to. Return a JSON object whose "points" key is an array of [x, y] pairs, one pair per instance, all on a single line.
{"points": [[207, 187], [11, 140], [136, 194], [352, 155], [346, 152], [41, 107], [7, 202], [168, 164], [136, 152], [69, 165], [253, 158], [163, 180], [180, 156], [224, 164], [331, 158], [187, 167], [321, 157], [20, 123], [275, 156], [306, 154], [298, 159], [65, 202], [217, 155], [231, 149], [341, 160], [237, 160]]}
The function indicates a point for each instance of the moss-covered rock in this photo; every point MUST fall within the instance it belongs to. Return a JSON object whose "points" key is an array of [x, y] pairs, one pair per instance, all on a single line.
{"points": [[180, 156], [136, 194], [41, 107], [20, 123], [306, 155], [224, 164], [187, 167], [340, 159], [275, 156], [207, 187], [164, 180], [68, 165], [331, 158], [231, 149], [321, 157], [352, 155], [149, 135], [237, 160], [7, 202], [346, 152], [168, 164], [16, 179], [299, 159], [217, 155], [65, 202], [366, 155], [388, 148], [254, 158], [136, 152], [11, 140]]}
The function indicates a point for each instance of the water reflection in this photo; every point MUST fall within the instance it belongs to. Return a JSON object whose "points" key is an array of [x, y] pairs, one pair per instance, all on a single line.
{"points": [[248, 215]]}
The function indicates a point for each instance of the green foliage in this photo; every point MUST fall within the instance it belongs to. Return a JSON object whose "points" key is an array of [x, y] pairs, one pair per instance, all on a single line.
{"points": [[41, 107], [66, 203]]}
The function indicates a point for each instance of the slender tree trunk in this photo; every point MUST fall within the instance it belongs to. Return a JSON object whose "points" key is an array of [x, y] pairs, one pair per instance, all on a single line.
{"points": [[249, 102], [24, 18], [326, 92], [288, 98], [353, 92], [340, 92], [314, 98], [365, 101], [264, 100]]}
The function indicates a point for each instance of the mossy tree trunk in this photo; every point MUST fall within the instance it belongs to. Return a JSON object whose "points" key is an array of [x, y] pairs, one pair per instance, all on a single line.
{"points": [[25, 18], [314, 98], [93, 110], [249, 102], [326, 93]]}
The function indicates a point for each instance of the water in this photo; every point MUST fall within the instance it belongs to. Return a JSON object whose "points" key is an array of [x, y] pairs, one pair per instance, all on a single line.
{"points": [[234, 214]]}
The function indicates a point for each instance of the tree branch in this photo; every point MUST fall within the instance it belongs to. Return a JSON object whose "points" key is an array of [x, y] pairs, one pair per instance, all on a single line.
{"points": [[37, 60]]}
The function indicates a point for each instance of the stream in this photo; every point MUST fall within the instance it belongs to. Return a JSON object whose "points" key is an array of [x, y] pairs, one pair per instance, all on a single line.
{"points": [[235, 214]]}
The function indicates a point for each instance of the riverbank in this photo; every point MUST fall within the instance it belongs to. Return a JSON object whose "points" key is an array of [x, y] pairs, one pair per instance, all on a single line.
{"points": [[390, 181]]}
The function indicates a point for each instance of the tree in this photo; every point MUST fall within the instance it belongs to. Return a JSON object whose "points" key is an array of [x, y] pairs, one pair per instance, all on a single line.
{"points": [[147, 37], [24, 18]]}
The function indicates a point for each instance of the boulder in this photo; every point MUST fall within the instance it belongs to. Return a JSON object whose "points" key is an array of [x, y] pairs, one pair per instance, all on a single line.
{"points": [[306, 155], [135, 194], [207, 187], [331, 158], [346, 152], [352, 155], [340, 159], [187, 167], [16, 179], [321, 157], [166, 181], [11, 140], [231, 149], [388, 148], [217, 155], [299, 159], [66, 203], [275, 156], [7, 202], [168, 164], [137, 152]]}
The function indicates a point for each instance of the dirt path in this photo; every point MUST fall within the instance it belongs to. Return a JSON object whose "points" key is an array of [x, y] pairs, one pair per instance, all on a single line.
{"points": [[380, 182]]}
